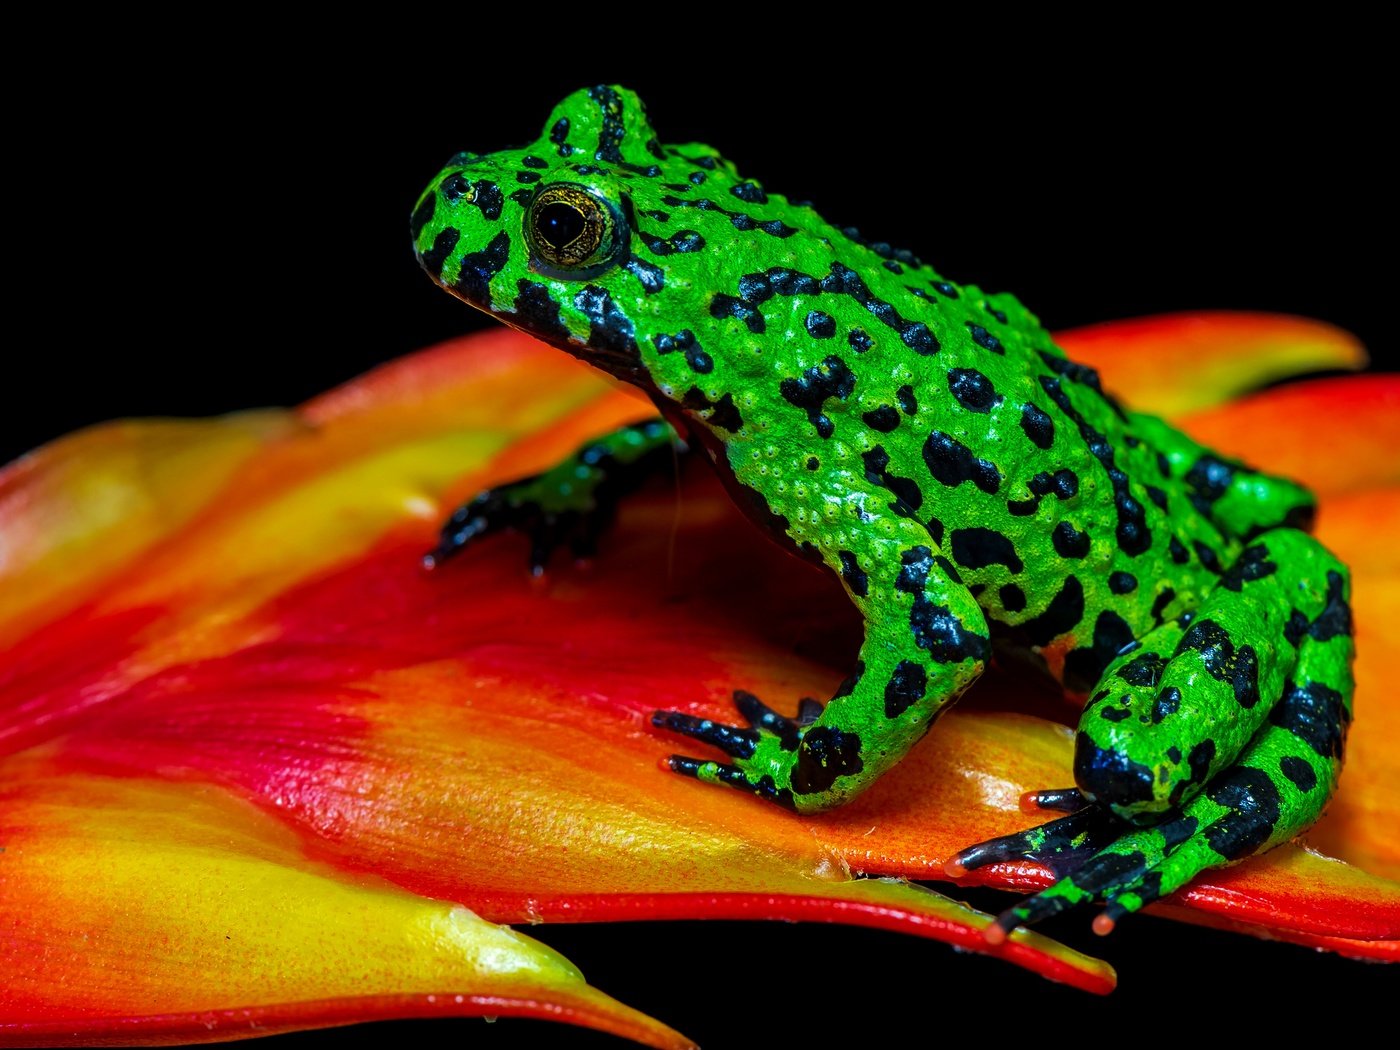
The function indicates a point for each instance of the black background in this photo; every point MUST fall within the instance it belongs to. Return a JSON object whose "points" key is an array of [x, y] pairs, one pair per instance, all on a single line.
{"points": [[214, 233]]}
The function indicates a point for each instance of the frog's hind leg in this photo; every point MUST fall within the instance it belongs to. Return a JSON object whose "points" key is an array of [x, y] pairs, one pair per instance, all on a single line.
{"points": [[1201, 748], [572, 502]]}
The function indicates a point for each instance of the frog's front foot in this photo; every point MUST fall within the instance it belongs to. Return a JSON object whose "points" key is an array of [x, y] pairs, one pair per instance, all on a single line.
{"points": [[766, 752], [572, 502]]}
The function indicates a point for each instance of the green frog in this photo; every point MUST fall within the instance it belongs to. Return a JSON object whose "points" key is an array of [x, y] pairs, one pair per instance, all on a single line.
{"points": [[974, 490]]}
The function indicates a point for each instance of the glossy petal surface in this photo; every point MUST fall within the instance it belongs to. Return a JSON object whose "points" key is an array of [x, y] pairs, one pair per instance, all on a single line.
{"points": [[234, 705]]}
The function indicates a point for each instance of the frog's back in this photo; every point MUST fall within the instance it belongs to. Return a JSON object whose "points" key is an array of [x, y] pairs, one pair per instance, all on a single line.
{"points": [[821, 370]]}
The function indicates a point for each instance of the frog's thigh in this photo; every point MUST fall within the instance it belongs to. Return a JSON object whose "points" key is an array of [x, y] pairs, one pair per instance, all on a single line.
{"points": [[1271, 791], [1172, 712]]}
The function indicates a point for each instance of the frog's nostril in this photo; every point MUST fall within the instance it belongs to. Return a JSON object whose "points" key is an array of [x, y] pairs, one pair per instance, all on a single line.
{"points": [[1110, 777]]}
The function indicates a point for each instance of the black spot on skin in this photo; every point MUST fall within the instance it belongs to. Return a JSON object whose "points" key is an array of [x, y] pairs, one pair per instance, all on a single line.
{"points": [[1202, 755], [522, 196], [1114, 714], [1109, 776], [1160, 603], [934, 627], [977, 548], [1175, 832], [1178, 553], [1239, 667], [859, 341], [1174, 754], [908, 404], [1316, 714], [684, 342], [948, 291], [1068, 541], [820, 325], [818, 383], [474, 278], [1252, 564], [813, 463], [856, 579], [1063, 613], [1132, 533], [1253, 801], [653, 278], [559, 135], [984, 338], [908, 497], [1207, 557], [489, 199], [722, 306], [1335, 618], [906, 688], [1013, 599], [535, 162], [915, 335], [1037, 426], [610, 330], [1167, 703], [825, 754], [1022, 508], [884, 419], [1209, 478], [972, 389], [1144, 670], [1295, 628], [539, 311], [935, 529], [422, 215], [443, 243], [1299, 772], [723, 413], [697, 178], [1157, 496], [679, 243], [1122, 583], [749, 193], [1084, 666], [1198, 762], [951, 463]]}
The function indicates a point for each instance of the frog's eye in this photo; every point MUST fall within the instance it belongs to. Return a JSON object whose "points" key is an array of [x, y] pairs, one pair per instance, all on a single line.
{"points": [[571, 231]]}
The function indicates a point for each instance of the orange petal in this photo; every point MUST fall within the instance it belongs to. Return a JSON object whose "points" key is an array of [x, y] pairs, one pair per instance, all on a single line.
{"points": [[280, 644], [153, 911], [1333, 435], [1176, 363]]}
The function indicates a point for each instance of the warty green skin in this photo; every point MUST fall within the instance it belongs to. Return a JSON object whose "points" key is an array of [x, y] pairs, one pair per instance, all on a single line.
{"points": [[972, 488]]}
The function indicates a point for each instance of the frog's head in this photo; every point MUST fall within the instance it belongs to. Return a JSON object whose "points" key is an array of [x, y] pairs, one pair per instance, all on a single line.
{"points": [[601, 241]]}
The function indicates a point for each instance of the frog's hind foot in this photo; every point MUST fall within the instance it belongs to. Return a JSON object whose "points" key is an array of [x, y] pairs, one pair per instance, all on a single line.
{"points": [[1092, 860], [573, 502]]}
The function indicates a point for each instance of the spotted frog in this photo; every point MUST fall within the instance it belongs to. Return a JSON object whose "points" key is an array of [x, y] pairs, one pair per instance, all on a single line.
{"points": [[973, 489]]}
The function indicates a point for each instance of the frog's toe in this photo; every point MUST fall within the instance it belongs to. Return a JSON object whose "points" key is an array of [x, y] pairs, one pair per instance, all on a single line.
{"points": [[1061, 845], [1056, 800], [752, 748]]}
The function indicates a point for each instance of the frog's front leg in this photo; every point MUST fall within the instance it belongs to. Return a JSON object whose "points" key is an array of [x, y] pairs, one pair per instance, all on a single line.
{"points": [[573, 501], [925, 642], [1216, 737]]}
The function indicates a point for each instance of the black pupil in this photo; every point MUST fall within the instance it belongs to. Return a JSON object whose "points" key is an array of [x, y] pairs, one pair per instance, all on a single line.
{"points": [[560, 224]]}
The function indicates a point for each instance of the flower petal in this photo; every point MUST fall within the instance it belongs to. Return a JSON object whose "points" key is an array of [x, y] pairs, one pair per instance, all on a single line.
{"points": [[147, 910], [1175, 363]]}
